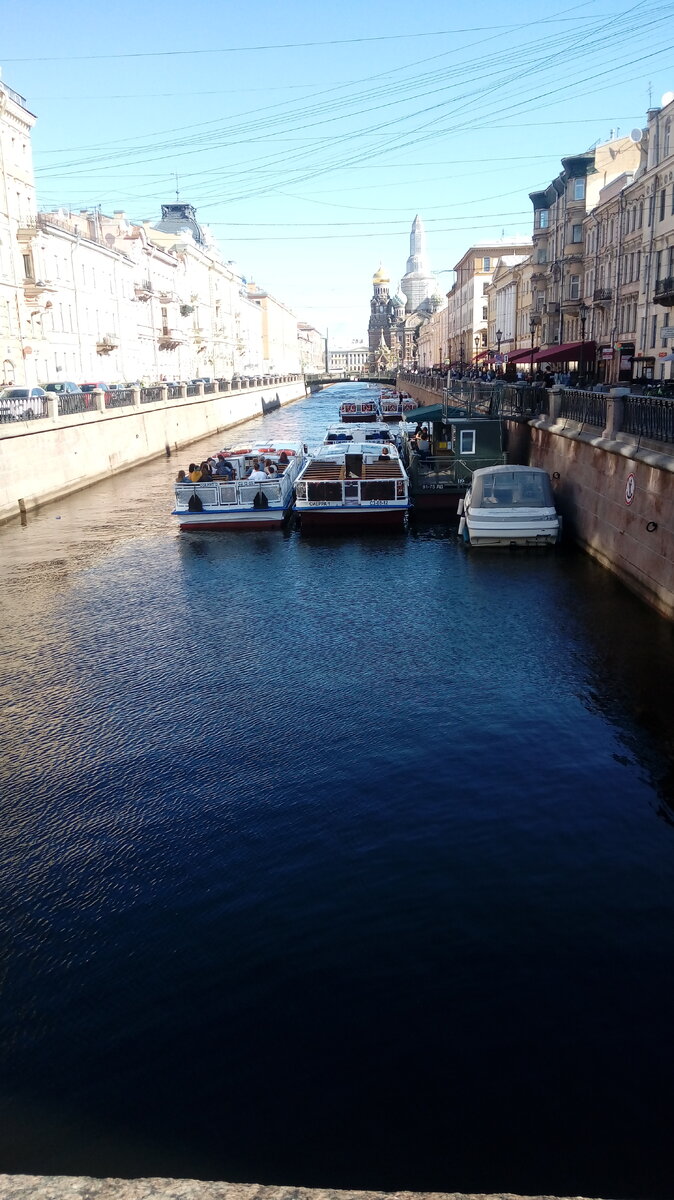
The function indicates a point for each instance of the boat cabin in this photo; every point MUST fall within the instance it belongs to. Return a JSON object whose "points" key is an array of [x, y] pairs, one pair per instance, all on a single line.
{"points": [[458, 446], [353, 481]]}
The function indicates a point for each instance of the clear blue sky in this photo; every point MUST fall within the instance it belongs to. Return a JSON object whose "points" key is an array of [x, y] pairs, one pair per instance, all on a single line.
{"points": [[310, 162]]}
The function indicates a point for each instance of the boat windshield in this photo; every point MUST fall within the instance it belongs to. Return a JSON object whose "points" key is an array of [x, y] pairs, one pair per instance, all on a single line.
{"points": [[512, 489]]}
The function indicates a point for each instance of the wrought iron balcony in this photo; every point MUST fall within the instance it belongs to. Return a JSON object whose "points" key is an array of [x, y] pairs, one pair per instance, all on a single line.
{"points": [[664, 291], [602, 295], [107, 344]]}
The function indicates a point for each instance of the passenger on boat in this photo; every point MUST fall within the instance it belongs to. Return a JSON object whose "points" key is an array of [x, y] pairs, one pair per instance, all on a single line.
{"points": [[423, 444], [384, 456], [269, 467], [194, 473], [224, 469], [182, 477], [283, 459], [257, 475], [206, 475]]}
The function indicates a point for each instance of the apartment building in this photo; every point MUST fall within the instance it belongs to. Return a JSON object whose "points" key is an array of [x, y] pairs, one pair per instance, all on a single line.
{"points": [[468, 299]]}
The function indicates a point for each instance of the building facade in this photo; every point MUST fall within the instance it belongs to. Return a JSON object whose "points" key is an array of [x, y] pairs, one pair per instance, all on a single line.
{"points": [[350, 360], [312, 349], [468, 299]]}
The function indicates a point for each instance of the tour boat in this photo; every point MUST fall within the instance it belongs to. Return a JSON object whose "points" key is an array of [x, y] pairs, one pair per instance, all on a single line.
{"points": [[510, 506], [377, 432], [239, 503], [353, 484], [396, 408], [359, 411]]}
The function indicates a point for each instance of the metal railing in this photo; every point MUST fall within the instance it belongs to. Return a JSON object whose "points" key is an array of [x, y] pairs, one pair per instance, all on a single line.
{"points": [[588, 408], [119, 398], [210, 388], [70, 403], [151, 395], [30, 408], [664, 287], [649, 417], [193, 389], [446, 472], [495, 399]]}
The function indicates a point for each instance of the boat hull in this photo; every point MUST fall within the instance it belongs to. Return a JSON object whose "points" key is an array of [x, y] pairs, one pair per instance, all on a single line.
{"points": [[444, 502], [358, 418], [351, 518], [240, 519], [545, 532]]}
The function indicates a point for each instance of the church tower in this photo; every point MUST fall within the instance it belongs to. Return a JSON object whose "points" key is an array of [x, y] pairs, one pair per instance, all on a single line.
{"points": [[379, 310], [418, 284]]}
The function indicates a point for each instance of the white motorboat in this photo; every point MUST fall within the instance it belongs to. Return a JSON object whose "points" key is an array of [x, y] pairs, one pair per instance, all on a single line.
{"points": [[239, 503], [352, 483], [377, 432], [510, 506]]}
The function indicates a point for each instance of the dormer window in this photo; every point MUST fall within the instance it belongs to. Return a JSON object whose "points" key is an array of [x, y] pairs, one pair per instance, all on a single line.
{"points": [[579, 189]]}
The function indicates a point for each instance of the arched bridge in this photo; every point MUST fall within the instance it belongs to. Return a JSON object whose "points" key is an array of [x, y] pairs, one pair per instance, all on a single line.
{"points": [[316, 382]]}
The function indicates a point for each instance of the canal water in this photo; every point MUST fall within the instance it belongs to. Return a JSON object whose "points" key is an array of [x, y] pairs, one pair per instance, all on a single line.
{"points": [[330, 861]]}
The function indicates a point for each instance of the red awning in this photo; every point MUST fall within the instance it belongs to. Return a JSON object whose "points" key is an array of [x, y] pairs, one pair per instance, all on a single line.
{"points": [[482, 354], [568, 352], [523, 356]]}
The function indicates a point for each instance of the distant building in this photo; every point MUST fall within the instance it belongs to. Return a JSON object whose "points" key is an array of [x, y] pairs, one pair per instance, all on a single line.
{"points": [[468, 299], [311, 345], [396, 321], [349, 361], [418, 284]]}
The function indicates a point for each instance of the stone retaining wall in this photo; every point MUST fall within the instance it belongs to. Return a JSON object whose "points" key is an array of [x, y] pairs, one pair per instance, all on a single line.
{"points": [[44, 459]]}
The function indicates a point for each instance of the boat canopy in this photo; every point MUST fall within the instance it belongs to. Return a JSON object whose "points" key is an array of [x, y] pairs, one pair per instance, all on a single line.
{"points": [[432, 413], [507, 487]]}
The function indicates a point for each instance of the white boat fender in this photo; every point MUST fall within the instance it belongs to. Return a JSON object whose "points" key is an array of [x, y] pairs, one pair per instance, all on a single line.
{"points": [[462, 524], [459, 507]]}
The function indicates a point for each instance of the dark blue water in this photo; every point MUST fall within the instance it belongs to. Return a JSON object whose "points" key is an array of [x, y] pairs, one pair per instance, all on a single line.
{"points": [[342, 862]]}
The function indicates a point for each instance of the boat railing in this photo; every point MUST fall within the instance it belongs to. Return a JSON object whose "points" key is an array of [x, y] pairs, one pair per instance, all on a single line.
{"points": [[446, 469], [352, 492]]}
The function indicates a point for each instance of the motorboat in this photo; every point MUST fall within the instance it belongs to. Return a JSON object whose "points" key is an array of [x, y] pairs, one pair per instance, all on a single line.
{"points": [[396, 406], [510, 506], [240, 503], [359, 483], [359, 411]]}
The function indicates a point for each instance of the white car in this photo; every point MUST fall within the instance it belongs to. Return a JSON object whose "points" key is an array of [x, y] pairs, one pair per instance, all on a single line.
{"points": [[22, 404]]}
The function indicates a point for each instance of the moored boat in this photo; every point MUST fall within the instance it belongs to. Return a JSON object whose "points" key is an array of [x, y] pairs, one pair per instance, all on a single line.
{"points": [[240, 503], [359, 411], [441, 464], [397, 408], [375, 432], [510, 506], [352, 484]]}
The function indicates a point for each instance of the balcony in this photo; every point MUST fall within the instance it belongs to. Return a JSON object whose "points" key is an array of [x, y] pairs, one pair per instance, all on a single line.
{"points": [[552, 307], [107, 344], [27, 230], [602, 295], [664, 291], [169, 339], [34, 289], [143, 290]]}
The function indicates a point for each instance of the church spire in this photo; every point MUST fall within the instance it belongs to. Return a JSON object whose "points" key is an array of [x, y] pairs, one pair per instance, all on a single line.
{"points": [[418, 283]]}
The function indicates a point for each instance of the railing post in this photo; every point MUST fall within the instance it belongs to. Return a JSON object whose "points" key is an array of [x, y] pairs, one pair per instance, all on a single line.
{"points": [[183, 391], [163, 388], [52, 406], [98, 398], [136, 397], [555, 401], [200, 389], [615, 408]]}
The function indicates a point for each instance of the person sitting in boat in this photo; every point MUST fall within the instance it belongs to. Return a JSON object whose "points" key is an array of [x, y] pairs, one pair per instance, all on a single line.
{"points": [[182, 477], [423, 444], [194, 473], [224, 469], [283, 460], [256, 474], [384, 456], [270, 467], [206, 475]]}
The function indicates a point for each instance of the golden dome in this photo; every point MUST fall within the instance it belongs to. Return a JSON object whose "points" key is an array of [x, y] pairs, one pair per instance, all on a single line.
{"points": [[380, 276]]}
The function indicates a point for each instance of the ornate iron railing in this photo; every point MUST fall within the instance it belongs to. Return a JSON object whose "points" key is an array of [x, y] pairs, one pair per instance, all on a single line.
{"points": [[151, 395], [193, 389], [30, 408], [588, 408], [649, 417], [119, 398], [174, 391], [74, 402]]}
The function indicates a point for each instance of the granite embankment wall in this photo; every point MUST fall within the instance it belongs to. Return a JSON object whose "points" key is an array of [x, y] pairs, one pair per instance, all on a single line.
{"points": [[423, 395], [60, 1187], [616, 497], [41, 460]]}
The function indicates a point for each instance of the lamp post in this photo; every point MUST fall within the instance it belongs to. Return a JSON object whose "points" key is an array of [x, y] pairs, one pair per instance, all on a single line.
{"points": [[499, 337], [477, 346], [463, 356], [532, 330], [582, 313]]}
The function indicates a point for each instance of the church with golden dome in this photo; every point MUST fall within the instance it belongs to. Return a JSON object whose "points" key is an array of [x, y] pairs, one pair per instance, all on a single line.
{"points": [[394, 324]]}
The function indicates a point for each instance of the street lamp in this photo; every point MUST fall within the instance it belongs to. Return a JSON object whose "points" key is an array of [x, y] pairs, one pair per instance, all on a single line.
{"points": [[582, 313], [499, 336], [532, 330], [477, 346]]}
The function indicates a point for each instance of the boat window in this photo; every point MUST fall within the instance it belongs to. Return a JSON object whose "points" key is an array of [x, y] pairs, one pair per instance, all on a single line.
{"points": [[512, 489], [324, 491], [378, 489], [467, 441]]}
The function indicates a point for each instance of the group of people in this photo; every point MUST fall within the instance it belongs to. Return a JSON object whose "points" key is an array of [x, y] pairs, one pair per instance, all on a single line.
{"points": [[421, 442], [218, 467]]}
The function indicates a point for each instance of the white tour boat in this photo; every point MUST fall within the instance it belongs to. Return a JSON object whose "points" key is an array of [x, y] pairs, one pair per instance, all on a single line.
{"points": [[359, 411], [396, 407], [510, 506], [352, 483], [240, 503], [377, 432]]}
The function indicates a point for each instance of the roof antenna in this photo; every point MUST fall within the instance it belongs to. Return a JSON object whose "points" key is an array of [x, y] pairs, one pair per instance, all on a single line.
{"points": [[177, 188], [650, 94]]}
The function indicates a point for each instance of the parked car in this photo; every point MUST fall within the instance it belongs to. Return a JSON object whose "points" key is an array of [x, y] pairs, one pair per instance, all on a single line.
{"points": [[91, 387], [21, 404], [61, 385]]}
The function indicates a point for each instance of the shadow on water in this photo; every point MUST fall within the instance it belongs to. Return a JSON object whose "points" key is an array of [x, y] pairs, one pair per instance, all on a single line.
{"points": [[334, 861]]}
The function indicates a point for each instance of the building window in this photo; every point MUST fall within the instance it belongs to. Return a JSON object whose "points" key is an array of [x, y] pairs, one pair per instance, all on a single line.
{"points": [[574, 287], [484, 314], [467, 441], [579, 189], [27, 266], [486, 263], [654, 330], [543, 218], [637, 264], [668, 130], [663, 193], [658, 264], [641, 215], [576, 234], [485, 289], [665, 323], [651, 209]]}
